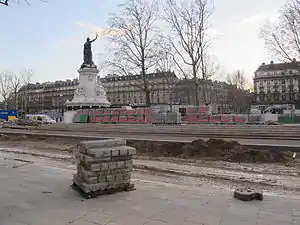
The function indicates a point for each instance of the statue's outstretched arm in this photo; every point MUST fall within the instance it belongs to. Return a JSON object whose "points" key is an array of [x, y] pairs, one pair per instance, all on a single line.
{"points": [[95, 38]]}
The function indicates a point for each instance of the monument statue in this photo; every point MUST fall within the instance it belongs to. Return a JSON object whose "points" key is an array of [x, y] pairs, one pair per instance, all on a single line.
{"points": [[87, 53]]}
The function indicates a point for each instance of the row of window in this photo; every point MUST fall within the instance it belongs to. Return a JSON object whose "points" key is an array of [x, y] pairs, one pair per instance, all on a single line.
{"points": [[290, 97], [277, 73], [129, 101], [283, 81]]}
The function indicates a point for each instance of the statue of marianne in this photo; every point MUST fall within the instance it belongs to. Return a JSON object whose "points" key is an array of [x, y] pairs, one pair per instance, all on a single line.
{"points": [[87, 53]]}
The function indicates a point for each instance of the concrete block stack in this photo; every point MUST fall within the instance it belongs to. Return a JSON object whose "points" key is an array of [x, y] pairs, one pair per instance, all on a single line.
{"points": [[103, 165], [166, 118], [173, 118]]}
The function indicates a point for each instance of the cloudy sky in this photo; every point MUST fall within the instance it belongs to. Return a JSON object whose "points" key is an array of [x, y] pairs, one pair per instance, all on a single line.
{"points": [[48, 37]]}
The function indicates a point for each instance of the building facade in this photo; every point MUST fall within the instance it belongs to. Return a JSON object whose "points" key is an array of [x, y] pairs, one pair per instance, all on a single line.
{"points": [[120, 90], [165, 89], [128, 90], [33, 98], [277, 83], [224, 97]]}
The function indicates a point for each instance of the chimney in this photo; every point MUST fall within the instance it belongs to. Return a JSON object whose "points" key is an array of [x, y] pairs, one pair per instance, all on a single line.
{"points": [[272, 62], [263, 64]]}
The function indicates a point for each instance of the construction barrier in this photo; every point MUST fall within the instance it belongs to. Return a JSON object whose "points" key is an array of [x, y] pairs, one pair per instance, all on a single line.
{"points": [[289, 119], [240, 119], [215, 119], [255, 119], [228, 119], [81, 117], [195, 115]]}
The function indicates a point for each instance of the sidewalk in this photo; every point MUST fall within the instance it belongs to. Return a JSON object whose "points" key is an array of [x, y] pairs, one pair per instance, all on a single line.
{"points": [[37, 192]]}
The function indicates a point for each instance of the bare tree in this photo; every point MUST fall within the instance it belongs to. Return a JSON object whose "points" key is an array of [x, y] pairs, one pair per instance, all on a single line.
{"points": [[5, 88], [16, 83], [237, 79], [188, 21], [8, 2], [135, 47], [238, 96], [282, 38], [26, 76], [5, 2]]}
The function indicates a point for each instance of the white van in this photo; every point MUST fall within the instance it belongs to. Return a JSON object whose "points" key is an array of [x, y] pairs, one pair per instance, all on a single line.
{"points": [[40, 118]]}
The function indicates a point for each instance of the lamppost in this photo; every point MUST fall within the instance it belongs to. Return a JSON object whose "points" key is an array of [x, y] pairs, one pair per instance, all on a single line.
{"points": [[62, 106]]}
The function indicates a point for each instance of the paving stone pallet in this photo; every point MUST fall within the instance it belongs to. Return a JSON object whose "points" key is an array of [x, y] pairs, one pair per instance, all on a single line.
{"points": [[126, 188], [103, 166]]}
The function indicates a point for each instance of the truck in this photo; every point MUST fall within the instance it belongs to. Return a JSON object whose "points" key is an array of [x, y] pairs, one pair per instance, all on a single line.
{"points": [[8, 115]]}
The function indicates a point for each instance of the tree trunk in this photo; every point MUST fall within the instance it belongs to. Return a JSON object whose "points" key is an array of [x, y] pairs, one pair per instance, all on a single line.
{"points": [[171, 101], [196, 92], [16, 100], [5, 104], [148, 99], [196, 85]]}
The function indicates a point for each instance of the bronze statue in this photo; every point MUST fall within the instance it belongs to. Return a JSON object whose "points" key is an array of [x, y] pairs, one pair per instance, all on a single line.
{"points": [[87, 53]]}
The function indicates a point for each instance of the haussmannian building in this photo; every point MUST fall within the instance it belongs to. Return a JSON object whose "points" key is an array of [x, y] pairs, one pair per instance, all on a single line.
{"points": [[128, 90], [165, 89], [277, 83], [120, 90]]}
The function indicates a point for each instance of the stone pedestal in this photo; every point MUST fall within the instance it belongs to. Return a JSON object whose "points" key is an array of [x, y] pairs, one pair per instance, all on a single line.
{"points": [[89, 92], [103, 166]]}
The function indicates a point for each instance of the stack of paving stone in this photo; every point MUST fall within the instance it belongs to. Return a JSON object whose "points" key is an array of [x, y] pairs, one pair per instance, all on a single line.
{"points": [[173, 118], [103, 166], [166, 118]]}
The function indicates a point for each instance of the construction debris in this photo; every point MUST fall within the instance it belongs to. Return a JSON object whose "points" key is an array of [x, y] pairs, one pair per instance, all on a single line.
{"points": [[248, 194]]}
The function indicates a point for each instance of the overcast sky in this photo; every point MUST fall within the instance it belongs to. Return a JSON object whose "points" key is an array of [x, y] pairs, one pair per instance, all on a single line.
{"points": [[49, 37]]}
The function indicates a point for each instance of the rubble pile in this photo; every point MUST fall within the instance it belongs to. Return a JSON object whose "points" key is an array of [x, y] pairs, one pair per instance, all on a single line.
{"points": [[103, 166]]}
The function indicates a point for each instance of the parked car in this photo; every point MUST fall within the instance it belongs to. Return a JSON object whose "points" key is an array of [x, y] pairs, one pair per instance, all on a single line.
{"points": [[40, 118]]}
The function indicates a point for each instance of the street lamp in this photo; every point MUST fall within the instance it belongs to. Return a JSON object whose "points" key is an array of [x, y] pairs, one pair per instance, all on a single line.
{"points": [[62, 106]]}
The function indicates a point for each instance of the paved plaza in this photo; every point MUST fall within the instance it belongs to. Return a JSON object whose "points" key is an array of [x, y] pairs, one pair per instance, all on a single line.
{"points": [[37, 192]]}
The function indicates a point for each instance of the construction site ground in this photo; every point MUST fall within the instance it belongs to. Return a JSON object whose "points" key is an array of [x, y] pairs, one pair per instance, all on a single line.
{"points": [[275, 172], [35, 188]]}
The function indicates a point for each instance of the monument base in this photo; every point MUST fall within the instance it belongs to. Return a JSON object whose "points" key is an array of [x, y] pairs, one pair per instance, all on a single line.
{"points": [[89, 93]]}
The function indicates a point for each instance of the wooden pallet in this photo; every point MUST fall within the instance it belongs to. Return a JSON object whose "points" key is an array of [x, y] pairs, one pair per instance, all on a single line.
{"points": [[92, 194]]}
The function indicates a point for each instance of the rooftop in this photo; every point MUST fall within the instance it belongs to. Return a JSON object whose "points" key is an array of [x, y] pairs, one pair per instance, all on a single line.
{"points": [[278, 66], [156, 75]]}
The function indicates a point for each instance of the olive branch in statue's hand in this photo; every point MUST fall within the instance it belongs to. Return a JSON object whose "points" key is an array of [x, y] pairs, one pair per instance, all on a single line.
{"points": [[95, 38]]}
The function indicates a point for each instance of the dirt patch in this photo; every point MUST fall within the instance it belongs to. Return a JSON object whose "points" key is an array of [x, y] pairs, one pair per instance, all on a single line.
{"points": [[212, 149], [38, 142]]}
